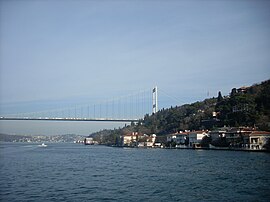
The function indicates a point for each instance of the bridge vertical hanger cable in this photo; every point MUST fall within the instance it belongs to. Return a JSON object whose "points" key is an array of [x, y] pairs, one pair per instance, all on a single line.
{"points": [[106, 108], [94, 111], [81, 112], [133, 106], [113, 109]]}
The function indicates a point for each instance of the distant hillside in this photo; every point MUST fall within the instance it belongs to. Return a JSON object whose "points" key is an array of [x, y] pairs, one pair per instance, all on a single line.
{"points": [[40, 138], [12, 138], [245, 106]]}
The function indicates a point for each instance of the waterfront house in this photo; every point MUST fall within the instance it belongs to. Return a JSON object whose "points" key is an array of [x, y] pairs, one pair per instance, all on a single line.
{"points": [[238, 137], [241, 138], [171, 137], [178, 138], [257, 139], [88, 141], [147, 141], [195, 138], [182, 138], [136, 139], [130, 139], [216, 134]]}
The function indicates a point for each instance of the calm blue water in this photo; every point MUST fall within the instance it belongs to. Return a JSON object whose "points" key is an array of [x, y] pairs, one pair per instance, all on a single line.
{"points": [[72, 172]]}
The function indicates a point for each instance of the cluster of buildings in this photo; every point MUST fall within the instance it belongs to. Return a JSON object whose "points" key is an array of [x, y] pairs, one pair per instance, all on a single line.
{"points": [[244, 138], [89, 141], [230, 138], [136, 139]]}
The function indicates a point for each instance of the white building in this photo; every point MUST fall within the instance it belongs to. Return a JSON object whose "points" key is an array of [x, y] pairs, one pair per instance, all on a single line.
{"points": [[257, 139], [88, 141], [130, 139], [171, 137], [196, 137], [139, 140], [147, 141], [178, 138]]}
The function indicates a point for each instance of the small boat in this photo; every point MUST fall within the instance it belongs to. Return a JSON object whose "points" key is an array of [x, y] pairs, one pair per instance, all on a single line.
{"points": [[42, 145]]}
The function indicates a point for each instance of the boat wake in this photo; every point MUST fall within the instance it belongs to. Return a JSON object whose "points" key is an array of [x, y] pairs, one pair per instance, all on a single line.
{"points": [[42, 145]]}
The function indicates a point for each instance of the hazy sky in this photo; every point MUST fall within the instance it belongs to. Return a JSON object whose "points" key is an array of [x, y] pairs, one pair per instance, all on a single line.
{"points": [[56, 51]]}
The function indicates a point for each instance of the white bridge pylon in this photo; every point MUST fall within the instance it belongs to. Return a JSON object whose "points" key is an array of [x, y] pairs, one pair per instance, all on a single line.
{"points": [[155, 100]]}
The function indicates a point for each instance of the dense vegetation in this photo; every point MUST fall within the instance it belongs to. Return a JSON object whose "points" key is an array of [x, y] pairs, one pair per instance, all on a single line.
{"points": [[186, 117], [249, 106], [246, 107]]}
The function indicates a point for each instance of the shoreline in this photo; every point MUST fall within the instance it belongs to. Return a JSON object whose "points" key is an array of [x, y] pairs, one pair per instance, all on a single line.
{"points": [[201, 148], [227, 149]]}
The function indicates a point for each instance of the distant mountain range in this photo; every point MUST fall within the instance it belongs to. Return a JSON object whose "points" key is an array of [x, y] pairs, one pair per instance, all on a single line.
{"points": [[41, 138]]}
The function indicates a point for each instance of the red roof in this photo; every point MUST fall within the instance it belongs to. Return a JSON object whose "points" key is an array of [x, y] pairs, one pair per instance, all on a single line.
{"points": [[260, 133]]}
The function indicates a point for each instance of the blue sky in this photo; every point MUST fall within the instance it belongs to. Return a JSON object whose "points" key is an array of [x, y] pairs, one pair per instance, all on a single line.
{"points": [[57, 53]]}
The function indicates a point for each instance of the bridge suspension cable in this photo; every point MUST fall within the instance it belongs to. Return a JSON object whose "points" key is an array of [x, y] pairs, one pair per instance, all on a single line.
{"points": [[128, 107]]}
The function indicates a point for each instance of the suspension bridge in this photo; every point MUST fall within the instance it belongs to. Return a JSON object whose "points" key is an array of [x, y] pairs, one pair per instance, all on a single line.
{"points": [[130, 108]]}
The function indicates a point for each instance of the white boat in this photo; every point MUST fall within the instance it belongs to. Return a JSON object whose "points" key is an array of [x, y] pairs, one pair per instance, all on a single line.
{"points": [[42, 145]]}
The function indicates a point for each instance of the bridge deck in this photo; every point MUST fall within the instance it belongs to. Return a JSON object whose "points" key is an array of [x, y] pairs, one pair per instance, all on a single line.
{"points": [[66, 119]]}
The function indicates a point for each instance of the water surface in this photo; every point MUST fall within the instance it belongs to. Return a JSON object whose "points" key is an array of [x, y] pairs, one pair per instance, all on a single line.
{"points": [[73, 172]]}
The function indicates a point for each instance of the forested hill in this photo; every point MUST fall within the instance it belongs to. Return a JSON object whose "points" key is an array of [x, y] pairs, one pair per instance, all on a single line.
{"points": [[185, 117], [245, 106]]}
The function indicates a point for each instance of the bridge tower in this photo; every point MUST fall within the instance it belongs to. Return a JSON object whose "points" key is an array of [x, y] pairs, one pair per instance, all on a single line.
{"points": [[155, 100]]}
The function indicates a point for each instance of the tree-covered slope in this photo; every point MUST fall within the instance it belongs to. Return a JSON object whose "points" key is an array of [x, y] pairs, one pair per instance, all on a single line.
{"points": [[249, 106], [185, 117]]}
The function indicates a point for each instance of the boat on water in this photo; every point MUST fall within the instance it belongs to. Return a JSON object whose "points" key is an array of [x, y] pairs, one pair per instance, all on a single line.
{"points": [[43, 145]]}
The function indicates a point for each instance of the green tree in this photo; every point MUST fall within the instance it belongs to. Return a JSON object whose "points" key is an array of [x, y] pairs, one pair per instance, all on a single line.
{"points": [[267, 144], [233, 92], [220, 98]]}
